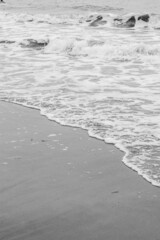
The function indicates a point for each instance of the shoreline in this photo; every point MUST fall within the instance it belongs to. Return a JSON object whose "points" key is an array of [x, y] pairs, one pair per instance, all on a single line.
{"points": [[56, 182]]}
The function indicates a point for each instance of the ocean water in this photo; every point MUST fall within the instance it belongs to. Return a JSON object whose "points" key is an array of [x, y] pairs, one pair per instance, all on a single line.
{"points": [[104, 79]]}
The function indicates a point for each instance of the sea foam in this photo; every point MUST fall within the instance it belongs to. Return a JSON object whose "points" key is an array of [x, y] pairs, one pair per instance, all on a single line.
{"points": [[103, 79]]}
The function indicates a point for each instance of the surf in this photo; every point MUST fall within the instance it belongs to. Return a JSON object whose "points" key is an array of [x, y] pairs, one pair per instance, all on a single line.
{"points": [[102, 78]]}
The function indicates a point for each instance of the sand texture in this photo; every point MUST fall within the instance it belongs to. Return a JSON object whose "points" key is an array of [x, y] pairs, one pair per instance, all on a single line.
{"points": [[57, 183]]}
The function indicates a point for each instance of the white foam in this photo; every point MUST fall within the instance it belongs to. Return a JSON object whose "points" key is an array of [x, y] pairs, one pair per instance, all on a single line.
{"points": [[104, 80]]}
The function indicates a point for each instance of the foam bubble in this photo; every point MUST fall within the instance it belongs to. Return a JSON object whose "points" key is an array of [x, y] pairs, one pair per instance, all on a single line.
{"points": [[104, 80]]}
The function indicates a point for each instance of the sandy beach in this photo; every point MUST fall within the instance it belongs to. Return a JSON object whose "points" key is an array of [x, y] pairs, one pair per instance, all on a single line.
{"points": [[58, 183]]}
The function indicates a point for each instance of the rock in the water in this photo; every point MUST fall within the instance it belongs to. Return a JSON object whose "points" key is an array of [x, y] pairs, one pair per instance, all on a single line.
{"points": [[32, 43], [144, 17], [128, 24], [98, 21]]}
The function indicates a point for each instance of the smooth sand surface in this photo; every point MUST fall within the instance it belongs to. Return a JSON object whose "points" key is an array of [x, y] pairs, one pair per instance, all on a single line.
{"points": [[57, 183]]}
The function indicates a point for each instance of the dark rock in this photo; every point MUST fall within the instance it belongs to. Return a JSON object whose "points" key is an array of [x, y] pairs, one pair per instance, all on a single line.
{"points": [[32, 43], [99, 17], [131, 22], [144, 17], [98, 21], [128, 24]]}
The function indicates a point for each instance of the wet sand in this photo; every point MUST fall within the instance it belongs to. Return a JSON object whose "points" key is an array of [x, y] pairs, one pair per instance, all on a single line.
{"points": [[58, 183]]}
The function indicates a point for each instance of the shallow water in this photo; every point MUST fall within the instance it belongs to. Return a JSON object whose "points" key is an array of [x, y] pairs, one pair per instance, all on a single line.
{"points": [[104, 79]]}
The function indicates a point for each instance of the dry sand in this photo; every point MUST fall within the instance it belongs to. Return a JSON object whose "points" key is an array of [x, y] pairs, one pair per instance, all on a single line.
{"points": [[57, 183]]}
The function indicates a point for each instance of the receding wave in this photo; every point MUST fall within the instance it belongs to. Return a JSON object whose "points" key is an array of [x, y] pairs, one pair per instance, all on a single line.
{"points": [[104, 79]]}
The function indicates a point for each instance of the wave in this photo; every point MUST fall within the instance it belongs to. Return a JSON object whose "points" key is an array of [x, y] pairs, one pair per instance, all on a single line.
{"points": [[138, 144], [90, 47], [40, 18], [103, 79], [77, 47]]}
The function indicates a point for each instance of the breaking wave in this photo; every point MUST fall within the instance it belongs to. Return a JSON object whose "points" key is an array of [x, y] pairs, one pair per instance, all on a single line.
{"points": [[99, 48], [89, 47]]}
